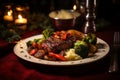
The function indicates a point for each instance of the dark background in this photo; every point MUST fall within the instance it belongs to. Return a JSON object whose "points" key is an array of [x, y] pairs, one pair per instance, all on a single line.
{"points": [[107, 9]]}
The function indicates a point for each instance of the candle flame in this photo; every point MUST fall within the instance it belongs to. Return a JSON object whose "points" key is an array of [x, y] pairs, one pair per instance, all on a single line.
{"points": [[10, 12], [19, 16], [74, 7]]}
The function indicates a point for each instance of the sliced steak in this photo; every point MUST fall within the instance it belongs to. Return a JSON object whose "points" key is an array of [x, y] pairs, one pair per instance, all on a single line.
{"points": [[57, 44]]}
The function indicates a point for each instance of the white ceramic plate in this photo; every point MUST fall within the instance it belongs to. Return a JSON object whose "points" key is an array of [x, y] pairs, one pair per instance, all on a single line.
{"points": [[20, 49]]}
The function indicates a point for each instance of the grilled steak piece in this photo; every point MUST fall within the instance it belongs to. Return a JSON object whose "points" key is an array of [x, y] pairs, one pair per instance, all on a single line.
{"points": [[56, 45]]}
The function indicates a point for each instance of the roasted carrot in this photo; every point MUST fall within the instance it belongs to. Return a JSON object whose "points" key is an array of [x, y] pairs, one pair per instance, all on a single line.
{"points": [[57, 56], [33, 51]]}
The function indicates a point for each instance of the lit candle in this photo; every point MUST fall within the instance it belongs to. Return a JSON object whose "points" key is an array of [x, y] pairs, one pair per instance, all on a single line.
{"points": [[8, 16], [74, 7], [21, 20]]}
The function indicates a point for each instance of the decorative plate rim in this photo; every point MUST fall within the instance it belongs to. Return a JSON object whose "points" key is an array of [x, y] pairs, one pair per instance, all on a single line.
{"points": [[20, 49]]}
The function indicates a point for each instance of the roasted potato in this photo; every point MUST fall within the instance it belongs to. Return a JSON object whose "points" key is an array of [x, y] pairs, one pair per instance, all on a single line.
{"points": [[79, 35], [93, 49]]}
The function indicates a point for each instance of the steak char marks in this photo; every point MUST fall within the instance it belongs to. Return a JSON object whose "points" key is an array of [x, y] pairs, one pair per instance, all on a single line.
{"points": [[56, 44]]}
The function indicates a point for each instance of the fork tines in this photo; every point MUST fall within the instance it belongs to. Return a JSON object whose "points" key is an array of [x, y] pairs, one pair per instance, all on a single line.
{"points": [[114, 67], [116, 38]]}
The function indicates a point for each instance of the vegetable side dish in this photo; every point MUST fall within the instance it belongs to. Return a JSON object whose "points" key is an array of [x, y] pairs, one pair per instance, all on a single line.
{"points": [[63, 45]]}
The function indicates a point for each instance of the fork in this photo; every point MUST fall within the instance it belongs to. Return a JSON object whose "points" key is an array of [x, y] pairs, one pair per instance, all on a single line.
{"points": [[114, 67]]}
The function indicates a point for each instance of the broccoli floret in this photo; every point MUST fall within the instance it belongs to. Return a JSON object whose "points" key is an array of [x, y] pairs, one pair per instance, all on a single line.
{"points": [[81, 48], [29, 43], [90, 38]]}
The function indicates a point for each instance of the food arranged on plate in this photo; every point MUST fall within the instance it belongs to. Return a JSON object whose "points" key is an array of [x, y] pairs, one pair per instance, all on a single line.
{"points": [[62, 45]]}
